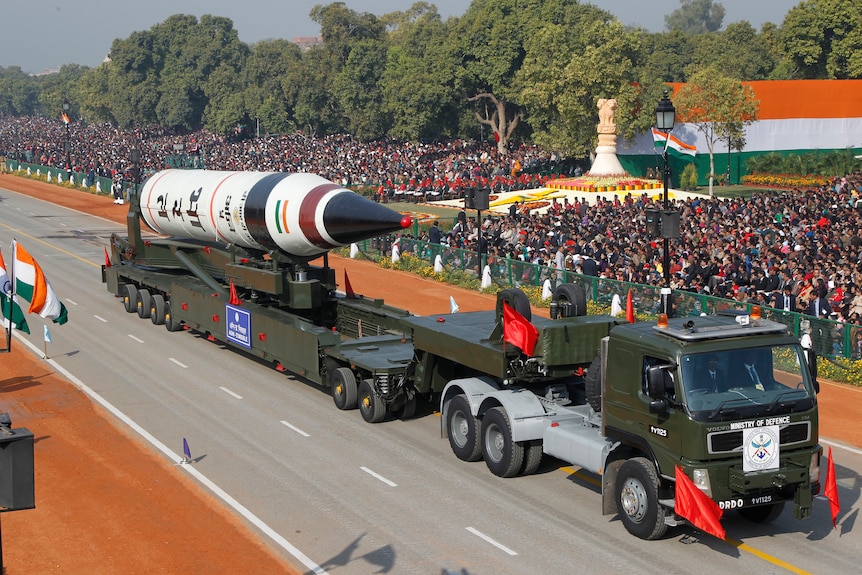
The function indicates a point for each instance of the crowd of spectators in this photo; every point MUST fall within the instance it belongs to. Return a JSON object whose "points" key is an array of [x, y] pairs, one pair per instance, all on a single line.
{"points": [[769, 249], [418, 171]]}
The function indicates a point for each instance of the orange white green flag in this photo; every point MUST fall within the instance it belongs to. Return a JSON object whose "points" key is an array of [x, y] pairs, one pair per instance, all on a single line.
{"points": [[9, 308], [32, 285]]}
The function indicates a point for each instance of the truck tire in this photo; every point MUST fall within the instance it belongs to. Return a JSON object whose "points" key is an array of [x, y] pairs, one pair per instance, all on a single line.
{"points": [[408, 408], [574, 295], [143, 302], [157, 309], [762, 514], [342, 384], [502, 455], [170, 323], [532, 457], [517, 300], [637, 499], [593, 384], [130, 298], [464, 430], [371, 405]]}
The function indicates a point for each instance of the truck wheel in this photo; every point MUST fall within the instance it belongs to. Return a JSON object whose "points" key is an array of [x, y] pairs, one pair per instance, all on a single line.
{"points": [[502, 455], [170, 323], [762, 514], [371, 406], [517, 299], [157, 309], [464, 430], [532, 457], [342, 383], [407, 409], [130, 298], [593, 384], [637, 499], [143, 303], [574, 295]]}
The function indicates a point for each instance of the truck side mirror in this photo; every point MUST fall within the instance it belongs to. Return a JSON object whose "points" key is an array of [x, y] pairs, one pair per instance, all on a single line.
{"points": [[812, 370], [658, 383]]}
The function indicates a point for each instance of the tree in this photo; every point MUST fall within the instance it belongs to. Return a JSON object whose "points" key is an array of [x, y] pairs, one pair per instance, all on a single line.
{"points": [[264, 95], [486, 47], [823, 38], [737, 51], [720, 107], [573, 59], [695, 17], [418, 82]]}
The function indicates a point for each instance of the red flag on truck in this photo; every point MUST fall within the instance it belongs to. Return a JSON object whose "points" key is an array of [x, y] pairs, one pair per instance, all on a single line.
{"points": [[693, 504], [518, 331], [234, 299], [831, 489]]}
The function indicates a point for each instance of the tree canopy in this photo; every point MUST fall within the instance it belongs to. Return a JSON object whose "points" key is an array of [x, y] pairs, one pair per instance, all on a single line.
{"points": [[511, 70]]}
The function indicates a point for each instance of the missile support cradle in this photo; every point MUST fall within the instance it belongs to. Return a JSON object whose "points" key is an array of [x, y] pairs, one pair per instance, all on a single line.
{"points": [[623, 401]]}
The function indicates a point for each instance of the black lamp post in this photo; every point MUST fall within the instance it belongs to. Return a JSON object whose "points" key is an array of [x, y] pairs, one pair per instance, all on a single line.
{"points": [[135, 155], [68, 143], [15, 141], [664, 118]]}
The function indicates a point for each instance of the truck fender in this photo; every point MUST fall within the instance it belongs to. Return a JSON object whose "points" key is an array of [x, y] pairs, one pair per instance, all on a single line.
{"points": [[525, 411]]}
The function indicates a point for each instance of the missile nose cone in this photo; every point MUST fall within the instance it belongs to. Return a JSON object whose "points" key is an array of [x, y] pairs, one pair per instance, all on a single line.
{"points": [[349, 217], [406, 222]]}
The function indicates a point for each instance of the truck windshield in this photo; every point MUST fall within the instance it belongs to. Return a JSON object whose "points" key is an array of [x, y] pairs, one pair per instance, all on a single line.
{"points": [[747, 382]]}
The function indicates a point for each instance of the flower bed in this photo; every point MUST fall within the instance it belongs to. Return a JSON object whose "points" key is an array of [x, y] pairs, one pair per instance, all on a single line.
{"points": [[789, 181], [605, 184]]}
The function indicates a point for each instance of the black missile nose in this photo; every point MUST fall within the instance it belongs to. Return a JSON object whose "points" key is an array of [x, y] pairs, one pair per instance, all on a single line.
{"points": [[349, 217]]}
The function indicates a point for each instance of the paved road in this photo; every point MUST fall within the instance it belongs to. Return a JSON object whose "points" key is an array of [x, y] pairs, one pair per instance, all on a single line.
{"points": [[356, 498]]}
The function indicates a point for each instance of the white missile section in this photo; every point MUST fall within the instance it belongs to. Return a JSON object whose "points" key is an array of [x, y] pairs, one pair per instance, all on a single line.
{"points": [[301, 214]]}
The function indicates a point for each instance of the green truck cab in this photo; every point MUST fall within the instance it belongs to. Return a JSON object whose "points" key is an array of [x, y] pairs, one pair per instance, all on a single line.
{"points": [[727, 398]]}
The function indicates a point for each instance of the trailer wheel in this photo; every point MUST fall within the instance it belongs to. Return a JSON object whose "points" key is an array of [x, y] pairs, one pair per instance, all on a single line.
{"points": [[130, 298], [593, 384], [171, 324], [574, 295], [637, 499], [157, 309], [407, 409], [532, 457], [371, 405], [464, 430], [342, 384], [502, 455], [762, 514], [143, 303], [517, 299]]}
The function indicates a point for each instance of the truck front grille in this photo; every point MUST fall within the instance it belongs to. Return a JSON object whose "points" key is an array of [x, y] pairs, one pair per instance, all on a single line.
{"points": [[731, 441]]}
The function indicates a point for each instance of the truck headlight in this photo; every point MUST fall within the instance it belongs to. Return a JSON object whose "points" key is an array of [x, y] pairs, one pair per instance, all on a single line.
{"points": [[700, 477], [814, 468]]}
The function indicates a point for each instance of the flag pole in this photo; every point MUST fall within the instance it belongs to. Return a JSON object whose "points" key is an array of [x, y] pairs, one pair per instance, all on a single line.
{"points": [[11, 300]]}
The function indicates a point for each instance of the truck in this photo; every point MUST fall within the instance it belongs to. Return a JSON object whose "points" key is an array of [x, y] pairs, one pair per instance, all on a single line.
{"points": [[729, 399]]}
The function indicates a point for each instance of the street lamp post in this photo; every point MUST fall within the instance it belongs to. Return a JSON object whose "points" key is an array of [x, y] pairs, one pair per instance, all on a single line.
{"points": [[135, 155], [665, 115], [15, 141], [68, 143]]}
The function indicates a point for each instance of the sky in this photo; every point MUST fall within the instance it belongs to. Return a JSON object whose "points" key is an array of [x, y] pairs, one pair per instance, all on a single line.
{"points": [[40, 35]]}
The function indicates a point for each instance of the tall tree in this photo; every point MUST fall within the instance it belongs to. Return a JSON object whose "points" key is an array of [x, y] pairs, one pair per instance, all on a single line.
{"points": [[823, 38], [265, 99], [695, 17], [418, 87], [487, 48], [720, 107], [736, 51]]}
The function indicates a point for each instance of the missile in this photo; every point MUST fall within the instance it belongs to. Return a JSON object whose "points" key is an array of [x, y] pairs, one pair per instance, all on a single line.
{"points": [[303, 215]]}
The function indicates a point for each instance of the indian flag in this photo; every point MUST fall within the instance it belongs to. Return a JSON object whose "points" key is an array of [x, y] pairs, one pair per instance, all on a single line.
{"points": [[9, 307], [31, 285], [673, 144], [65, 117]]}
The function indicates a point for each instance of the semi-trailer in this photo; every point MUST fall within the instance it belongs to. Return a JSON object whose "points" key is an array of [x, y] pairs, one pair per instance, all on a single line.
{"points": [[730, 399]]}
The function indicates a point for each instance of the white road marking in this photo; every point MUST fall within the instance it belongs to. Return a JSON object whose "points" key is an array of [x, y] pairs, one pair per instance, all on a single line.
{"points": [[137, 339], [839, 445], [296, 429], [178, 362], [71, 301], [100, 318], [229, 392], [380, 477], [500, 546]]}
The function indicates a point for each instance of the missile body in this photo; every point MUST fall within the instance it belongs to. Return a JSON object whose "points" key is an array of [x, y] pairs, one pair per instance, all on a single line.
{"points": [[300, 214]]}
